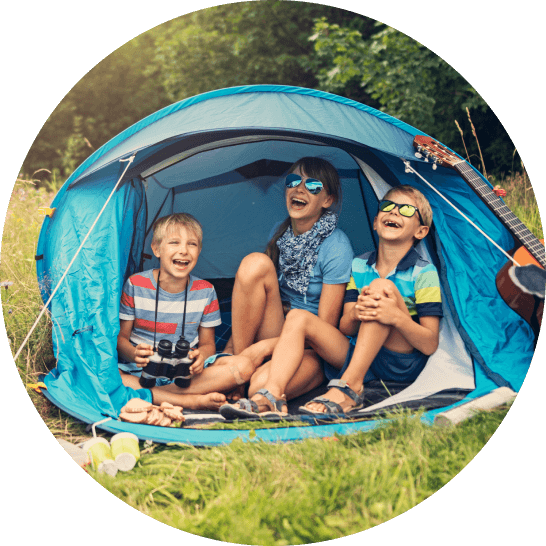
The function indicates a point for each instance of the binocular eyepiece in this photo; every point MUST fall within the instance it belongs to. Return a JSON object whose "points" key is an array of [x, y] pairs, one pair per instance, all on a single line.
{"points": [[181, 349], [168, 363]]}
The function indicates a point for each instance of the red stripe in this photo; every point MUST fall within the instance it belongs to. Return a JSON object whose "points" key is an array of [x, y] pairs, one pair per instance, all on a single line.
{"points": [[142, 282], [211, 307], [127, 300], [200, 285], [150, 325]]}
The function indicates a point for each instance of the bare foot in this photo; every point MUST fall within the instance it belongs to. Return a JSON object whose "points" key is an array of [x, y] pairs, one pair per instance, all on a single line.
{"points": [[211, 401], [237, 393]]}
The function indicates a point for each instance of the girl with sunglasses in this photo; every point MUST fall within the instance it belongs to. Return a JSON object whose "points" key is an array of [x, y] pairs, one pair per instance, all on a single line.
{"points": [[306, 265]]}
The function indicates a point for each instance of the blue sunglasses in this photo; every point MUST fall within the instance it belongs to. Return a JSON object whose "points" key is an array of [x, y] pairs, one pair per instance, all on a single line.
{"points": [[312, 185]]}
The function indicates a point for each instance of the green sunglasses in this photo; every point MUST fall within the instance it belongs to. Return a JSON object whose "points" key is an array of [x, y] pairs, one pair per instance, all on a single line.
{"points": [[405, 210], [312, 185]]}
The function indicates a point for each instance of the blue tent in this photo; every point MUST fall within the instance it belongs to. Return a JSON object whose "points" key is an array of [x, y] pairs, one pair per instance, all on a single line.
{"points": [[220, 156]]}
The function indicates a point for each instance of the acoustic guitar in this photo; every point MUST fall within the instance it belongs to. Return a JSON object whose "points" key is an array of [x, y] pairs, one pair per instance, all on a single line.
{"points": [[529, 251]]}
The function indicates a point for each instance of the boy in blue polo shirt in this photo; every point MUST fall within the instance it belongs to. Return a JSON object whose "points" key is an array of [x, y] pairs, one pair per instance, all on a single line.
{"points": [[392, 307]]}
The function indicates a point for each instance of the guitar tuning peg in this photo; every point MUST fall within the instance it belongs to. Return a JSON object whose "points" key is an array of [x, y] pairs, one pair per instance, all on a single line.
{"points": [[418, 155], [426, 159], [407, 170], [434, 166]]}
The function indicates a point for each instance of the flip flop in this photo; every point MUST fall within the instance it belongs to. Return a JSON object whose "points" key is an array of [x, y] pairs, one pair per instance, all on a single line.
{"points": [[249, 408], [334, 407]]}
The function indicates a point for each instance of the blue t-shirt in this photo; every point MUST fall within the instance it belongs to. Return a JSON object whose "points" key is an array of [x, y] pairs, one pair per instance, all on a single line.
{"points": [[335, 256]]}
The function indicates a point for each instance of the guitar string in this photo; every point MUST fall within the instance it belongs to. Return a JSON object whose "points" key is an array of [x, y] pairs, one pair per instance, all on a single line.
{"points": [[409, 168]]}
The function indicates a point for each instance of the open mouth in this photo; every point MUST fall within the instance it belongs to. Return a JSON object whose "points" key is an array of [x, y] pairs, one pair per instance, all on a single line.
{"points": [[298, 204], [391, 224], [181, 263]]}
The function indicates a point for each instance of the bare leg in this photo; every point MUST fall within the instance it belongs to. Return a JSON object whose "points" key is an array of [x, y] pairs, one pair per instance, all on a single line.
{"points": [[203, 390], [372, 336], [293, 370], [191, 401], [256, 303]]}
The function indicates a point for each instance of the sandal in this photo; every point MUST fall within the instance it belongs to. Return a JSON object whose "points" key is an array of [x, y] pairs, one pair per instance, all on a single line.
{"points": [[249, 408], [334, 407]]}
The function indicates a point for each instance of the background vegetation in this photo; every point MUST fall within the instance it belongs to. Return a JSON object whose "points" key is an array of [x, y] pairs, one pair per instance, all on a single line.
{"points": [[249, 493], [268, 42]]}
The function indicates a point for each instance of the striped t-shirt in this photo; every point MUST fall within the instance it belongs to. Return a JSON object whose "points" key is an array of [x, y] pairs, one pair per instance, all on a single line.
{"points": [[138, 305], [416, 279]]}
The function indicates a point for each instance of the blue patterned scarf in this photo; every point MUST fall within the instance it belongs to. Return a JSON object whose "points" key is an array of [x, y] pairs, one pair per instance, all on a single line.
{"points": [[299, 254]]}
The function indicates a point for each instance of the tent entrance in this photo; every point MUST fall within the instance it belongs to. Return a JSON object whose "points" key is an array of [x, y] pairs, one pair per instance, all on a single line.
{"points": [[234, 187]]}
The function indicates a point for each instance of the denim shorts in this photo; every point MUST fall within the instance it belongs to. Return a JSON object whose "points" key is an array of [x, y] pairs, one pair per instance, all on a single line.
{"points": [[387, 365]]}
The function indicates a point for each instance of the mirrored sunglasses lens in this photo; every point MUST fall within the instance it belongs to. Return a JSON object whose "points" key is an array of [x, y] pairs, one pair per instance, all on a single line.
{"points": [[386, 206], [313, 186], [407, 210], [292, 180]]}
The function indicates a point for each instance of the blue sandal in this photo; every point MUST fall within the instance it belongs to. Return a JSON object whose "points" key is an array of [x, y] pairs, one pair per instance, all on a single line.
{"points": [[334, 407], [249, 408]]}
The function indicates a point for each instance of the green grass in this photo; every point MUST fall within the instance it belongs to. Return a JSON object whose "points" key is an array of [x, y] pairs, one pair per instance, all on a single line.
{"points": [[315, 490], [257, 493]]}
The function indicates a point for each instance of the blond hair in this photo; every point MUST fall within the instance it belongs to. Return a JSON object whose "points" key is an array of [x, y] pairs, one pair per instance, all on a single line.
{"points": [[183, 219], [422, 202]]}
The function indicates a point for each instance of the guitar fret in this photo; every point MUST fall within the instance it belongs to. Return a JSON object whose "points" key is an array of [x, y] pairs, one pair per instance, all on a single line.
{"points": [[518, 229]]}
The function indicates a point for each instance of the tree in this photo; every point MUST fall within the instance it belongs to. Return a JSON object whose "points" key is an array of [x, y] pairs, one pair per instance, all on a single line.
{"points": [[408, 81]]}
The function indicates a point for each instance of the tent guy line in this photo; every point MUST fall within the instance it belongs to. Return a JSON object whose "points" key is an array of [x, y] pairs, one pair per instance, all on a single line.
{"points": [[44, 308]]}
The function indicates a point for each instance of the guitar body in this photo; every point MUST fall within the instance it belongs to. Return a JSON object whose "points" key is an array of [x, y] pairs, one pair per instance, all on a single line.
{"points": [[527, 302], [527, 306]]}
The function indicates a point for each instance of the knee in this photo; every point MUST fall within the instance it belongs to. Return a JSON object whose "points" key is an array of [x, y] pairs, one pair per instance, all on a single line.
{"points": [[379, 285], [245, 367], [253, 267], [297, 319]]}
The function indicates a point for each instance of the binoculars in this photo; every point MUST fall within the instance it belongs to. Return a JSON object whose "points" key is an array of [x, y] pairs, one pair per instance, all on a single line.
{"points": [[168, 363]]}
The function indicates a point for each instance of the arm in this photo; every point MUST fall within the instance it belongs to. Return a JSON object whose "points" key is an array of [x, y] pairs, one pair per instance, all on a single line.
{"points": [[331, 302], [139, 354]]}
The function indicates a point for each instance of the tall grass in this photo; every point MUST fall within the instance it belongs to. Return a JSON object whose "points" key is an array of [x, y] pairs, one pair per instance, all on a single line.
{"points": [[303, 492]]}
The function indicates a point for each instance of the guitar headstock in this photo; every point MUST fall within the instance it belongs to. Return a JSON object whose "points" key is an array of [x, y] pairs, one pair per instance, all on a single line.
{"points": [[432, 149]]}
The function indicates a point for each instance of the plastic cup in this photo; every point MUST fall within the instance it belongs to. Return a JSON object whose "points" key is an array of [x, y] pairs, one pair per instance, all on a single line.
{"points": [[100, 455], [125, 450]]}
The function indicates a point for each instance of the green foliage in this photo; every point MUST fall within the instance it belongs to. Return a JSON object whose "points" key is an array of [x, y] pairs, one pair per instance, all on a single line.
{"points": [[408, 81]]}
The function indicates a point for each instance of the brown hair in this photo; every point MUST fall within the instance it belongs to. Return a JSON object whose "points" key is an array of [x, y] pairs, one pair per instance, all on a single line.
{"points": [[314, 167]]}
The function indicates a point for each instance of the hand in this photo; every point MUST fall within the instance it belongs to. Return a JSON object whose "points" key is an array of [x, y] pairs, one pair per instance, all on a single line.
{"points": [[383, 309], [366, 299], [198, 364], [142, 352]]}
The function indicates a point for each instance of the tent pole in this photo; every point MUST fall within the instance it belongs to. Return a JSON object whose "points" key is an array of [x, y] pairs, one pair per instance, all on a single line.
{"points": [[44, 308]]}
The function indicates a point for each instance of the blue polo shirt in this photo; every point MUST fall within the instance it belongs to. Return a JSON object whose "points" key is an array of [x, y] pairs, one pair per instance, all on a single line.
{"points": [[416, 279]]}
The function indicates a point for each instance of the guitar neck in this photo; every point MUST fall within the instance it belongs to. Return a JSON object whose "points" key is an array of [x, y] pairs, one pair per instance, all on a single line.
{"points": [[507, 217]]}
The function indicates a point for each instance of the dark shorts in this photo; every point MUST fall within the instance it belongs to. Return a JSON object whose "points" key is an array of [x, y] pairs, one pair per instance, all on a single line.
{"points": [[387, 365]]}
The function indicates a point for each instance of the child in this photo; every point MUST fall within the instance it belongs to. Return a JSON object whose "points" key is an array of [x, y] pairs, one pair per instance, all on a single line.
{"points": [[392, 312], [183, 301]]}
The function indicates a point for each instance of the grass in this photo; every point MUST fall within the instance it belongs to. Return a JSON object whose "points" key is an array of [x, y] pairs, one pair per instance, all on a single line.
{"points": [[258, 493]]}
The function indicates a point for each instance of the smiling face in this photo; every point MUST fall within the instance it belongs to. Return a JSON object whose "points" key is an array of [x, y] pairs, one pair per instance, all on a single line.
{"points": [[303, 207], [392, 226], [178, 253]]}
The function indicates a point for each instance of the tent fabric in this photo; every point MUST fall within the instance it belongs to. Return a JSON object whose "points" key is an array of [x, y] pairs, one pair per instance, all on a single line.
{"points": [[220, 156]]}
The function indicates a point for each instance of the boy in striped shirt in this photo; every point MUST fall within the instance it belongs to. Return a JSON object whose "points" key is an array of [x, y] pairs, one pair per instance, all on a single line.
{"points": [[147, 316]]}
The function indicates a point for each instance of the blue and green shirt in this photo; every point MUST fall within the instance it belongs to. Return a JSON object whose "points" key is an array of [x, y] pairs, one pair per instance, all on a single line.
{"points": [[416, 279]]}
